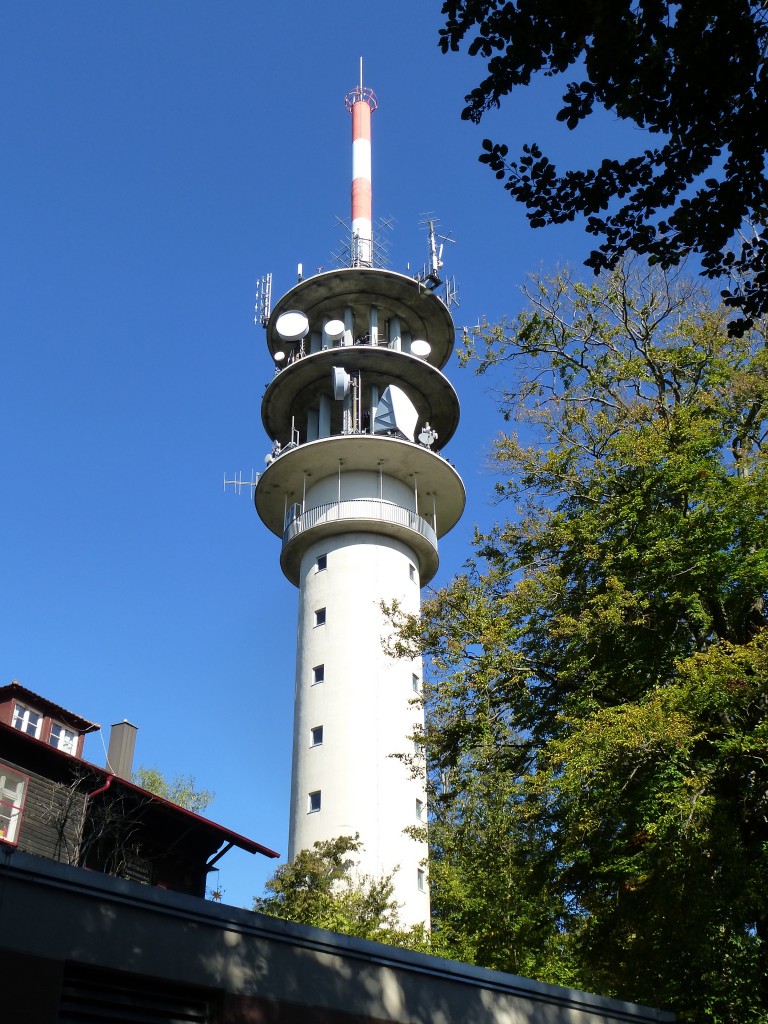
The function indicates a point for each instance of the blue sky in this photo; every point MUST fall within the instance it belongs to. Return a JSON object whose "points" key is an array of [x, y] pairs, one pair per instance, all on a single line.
{"points": [[158, 157]]}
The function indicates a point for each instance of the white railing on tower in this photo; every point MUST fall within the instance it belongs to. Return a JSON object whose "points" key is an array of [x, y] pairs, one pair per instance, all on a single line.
{"points": [[358, 508]]}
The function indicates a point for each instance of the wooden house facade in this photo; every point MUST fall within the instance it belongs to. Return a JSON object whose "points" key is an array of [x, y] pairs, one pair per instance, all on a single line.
{"points": [[56, 805]]}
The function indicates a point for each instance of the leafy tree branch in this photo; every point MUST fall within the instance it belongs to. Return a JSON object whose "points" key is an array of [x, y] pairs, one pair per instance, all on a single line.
{"points": [[597, 705], [690, 75]]}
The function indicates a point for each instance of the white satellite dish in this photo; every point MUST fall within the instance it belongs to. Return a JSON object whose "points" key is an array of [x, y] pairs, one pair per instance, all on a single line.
{"points": [[395, 414], [335, 329], [340, 379], [292, 325], [420, 348]]}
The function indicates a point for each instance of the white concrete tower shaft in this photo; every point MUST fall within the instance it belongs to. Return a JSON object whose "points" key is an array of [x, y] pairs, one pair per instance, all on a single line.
{"points": [[358, 493], [362, 705]]}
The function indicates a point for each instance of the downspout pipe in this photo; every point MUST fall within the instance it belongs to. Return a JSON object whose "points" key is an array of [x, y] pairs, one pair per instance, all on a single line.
{"points": [[101, 789]]}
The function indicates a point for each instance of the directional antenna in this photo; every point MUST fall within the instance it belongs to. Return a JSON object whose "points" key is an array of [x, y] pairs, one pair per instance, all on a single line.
{"points": [[427, 435], [335, 329], [451, 296], [292, 325], [340, 380], [431, 274], [237, 483], [395, 414]]}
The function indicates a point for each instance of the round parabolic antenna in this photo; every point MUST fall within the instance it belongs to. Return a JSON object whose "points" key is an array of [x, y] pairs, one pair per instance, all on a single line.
{"points": [[340, 380], [335, 329], [292, 325], [420, 348]]}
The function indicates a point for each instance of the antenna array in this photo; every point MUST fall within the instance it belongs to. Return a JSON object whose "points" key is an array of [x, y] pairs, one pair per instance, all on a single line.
{"points": [[430, 272], [349, 252], [451, 294], [237, 483], [263, 305]]}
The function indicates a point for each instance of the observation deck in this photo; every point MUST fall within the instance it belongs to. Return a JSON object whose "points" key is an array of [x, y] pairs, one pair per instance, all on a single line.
{"points": [[438, 490], [361, 515]]}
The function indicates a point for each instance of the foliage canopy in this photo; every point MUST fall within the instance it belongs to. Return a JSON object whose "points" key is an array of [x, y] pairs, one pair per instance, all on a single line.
{"points": [[598, 718], [691, 73], [321, 887], [181, 789]]}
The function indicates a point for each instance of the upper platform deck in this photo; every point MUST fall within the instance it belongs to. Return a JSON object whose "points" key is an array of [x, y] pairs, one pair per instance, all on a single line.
{"points": [[300, 385], [406, 310]]}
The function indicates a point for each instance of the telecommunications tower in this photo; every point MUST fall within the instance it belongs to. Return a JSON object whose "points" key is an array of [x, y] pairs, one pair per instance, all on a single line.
{"points": [[358, 492]]}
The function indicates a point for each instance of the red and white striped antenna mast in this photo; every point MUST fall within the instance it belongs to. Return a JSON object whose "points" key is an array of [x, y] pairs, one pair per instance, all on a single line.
{"points": [[361, 103]]}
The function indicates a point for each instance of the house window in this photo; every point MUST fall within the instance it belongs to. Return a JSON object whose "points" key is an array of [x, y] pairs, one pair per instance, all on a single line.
{"points": [[317, 735], [13, 791], [415, 683], [421, 880], [63, 739], [419, 810], [27, 720], [418, 748], [321, 563], [318, 674], [412, 573], [314, 801], [320, 617]]}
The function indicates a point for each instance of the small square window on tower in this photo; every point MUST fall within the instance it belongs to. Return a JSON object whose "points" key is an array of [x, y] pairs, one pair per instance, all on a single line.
{"points": [[317, 735], [412, 573], [421, 880], [321, 563], [314, 801], [318, 674], [320, 617], [415, 683], [420, 810]]}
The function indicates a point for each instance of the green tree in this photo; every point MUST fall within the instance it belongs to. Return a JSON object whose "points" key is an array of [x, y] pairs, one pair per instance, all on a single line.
{"points": [[320, 887], [181, 789], [599, 703], [690, 73], [490, 901]]}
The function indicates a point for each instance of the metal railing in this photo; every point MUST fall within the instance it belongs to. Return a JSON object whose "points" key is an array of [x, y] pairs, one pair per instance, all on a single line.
{"points": [[358, 508]]}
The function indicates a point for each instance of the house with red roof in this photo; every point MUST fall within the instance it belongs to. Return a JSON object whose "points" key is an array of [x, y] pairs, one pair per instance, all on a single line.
{"points": [[55, 804]]}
